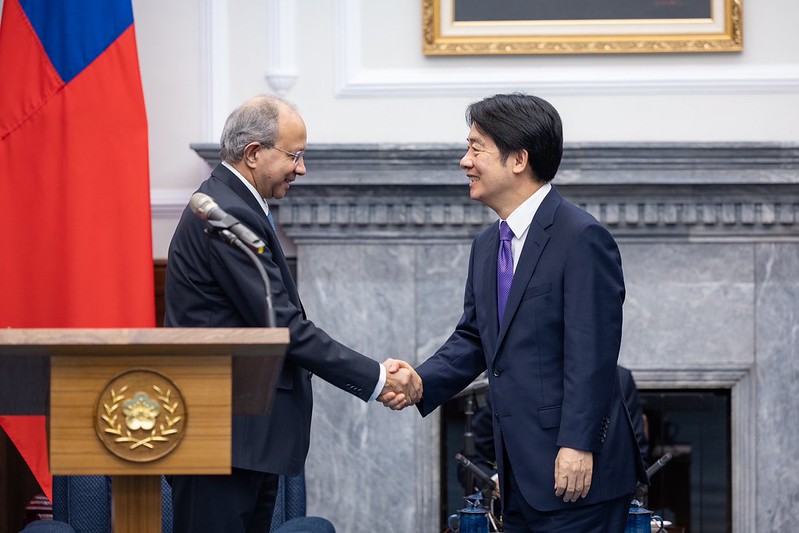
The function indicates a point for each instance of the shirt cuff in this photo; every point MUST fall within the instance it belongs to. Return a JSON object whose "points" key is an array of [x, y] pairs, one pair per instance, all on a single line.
{"points": [[380, 382]]}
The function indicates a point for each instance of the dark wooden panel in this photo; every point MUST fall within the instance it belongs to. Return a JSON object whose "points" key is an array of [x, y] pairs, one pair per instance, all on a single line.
{"points": [[159, 267]]}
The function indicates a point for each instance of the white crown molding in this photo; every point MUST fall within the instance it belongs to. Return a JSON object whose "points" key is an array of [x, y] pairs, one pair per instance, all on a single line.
{"points": [[593, 81], [353, 80], [168, 203], [214, 58], [281, 68]]}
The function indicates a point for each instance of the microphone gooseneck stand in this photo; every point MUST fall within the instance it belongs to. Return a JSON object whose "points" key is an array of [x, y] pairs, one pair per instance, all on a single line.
{"points": [[641, 490], [472, 470], [269, 309], [468, 439], [488, 488], [470, 401], [229, 237]]}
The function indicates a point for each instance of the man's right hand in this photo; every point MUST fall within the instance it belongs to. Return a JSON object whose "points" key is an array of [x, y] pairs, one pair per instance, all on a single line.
{"points": [[573, 472]]}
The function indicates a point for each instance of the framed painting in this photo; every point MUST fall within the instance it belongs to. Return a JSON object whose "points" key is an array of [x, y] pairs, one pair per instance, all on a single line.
{"points": [[479, 27]]}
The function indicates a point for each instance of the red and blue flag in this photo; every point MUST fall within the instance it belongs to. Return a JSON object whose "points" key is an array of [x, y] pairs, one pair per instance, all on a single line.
{"points": [[74, 179]]}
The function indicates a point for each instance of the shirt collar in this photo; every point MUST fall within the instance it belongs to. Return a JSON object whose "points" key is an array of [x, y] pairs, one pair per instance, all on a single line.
{"points": [[523, 215], [249, 186]]}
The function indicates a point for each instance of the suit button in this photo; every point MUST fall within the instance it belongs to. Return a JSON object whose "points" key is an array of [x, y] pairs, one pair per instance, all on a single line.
{"points": [[497, 372]]}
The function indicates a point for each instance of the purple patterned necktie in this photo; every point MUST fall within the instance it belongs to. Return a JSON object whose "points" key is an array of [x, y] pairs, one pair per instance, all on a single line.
{"points": [[504, 268]]}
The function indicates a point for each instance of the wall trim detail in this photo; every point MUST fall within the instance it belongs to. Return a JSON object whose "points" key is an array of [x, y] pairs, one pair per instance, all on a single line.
{"points": [[281, 68], [679, 192], [214, 51]]}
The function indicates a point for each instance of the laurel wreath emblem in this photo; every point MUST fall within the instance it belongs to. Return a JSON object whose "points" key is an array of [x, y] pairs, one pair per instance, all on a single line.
{"points": [[156, 434]]}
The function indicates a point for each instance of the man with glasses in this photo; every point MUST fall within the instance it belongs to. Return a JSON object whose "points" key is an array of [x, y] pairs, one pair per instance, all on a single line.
{"points": [[211, 284]]}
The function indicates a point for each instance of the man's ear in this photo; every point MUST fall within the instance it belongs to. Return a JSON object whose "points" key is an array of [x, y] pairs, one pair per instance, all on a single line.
{"points": [[251, 154], [520, 160]]}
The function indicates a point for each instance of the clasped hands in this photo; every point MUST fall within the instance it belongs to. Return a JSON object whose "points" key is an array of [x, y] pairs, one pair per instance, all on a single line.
{"points": [[403, 385]]}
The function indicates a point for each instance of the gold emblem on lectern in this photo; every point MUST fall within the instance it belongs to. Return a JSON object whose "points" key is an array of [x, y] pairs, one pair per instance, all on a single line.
{"points": [[140, 416]]}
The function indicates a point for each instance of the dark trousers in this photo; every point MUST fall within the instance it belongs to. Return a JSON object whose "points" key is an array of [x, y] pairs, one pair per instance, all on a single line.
{"points": [[519, 517], [241, 502]]}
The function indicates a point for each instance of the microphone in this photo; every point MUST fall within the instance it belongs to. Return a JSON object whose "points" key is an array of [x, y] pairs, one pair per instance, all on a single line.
{"points": [[485, 478], [236, 234], [660, 463], [207, 209]]}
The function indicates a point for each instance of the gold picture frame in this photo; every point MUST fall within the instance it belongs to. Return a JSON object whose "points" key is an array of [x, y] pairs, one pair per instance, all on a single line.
{"points": [[722, 31]]}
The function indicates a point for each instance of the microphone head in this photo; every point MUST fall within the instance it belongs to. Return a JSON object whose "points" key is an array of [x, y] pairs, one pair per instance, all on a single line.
{"points": [[201, 205]]}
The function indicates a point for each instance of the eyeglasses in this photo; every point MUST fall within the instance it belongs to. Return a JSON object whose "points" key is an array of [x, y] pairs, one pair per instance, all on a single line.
{"points": [[296, 156]]}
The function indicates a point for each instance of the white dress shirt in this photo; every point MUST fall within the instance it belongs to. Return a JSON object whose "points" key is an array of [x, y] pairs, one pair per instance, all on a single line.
{"points": [[519, 221]]}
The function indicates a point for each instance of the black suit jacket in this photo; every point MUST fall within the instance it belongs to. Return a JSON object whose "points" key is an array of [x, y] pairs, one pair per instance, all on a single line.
{"points": [[211, 284], [552, 358]]}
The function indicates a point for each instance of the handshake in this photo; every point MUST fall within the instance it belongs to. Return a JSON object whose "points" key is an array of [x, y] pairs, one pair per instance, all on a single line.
{"points": [[403, 385]]}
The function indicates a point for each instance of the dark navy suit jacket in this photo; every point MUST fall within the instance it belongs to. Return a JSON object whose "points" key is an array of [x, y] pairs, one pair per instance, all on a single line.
{"points": [[551, 359], [211, 284]]}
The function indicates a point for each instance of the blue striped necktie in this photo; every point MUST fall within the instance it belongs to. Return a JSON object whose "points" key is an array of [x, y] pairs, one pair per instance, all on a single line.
{"points": [[271, 220]]}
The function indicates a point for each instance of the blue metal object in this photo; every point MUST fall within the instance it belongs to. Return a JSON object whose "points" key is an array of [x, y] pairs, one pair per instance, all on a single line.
{"points": [[471, 519], [639, 519]]}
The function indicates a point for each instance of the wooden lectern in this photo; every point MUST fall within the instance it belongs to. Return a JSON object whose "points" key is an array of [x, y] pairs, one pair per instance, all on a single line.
{"points": [[138, 403]]}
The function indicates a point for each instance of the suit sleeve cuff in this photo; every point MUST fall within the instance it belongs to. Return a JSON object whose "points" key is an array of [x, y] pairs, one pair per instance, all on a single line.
{"points": [[380, 382]]}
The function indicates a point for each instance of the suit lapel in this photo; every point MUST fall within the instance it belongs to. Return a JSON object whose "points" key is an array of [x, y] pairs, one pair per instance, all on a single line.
{"points": [[223, 174], [231, 180], [489, 281], [537, 238]]}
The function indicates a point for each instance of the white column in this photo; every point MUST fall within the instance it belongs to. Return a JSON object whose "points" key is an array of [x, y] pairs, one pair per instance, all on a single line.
{"points": [[214, 57], [281, 68]]}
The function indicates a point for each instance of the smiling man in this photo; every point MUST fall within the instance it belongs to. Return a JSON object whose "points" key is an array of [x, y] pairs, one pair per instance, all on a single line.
{"points": [[543, 314], [212, 284]]}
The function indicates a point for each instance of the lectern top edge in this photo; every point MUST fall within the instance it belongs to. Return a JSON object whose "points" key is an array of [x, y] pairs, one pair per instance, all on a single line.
{"points": [[241, 341]]}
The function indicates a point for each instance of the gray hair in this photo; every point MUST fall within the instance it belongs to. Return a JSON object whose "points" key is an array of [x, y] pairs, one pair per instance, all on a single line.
{"points": [[256, 120]]}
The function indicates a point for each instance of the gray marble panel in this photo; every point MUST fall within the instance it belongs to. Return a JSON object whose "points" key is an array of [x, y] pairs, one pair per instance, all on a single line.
{"points": [[688, 305], [777, 326], [365, 462], [441, 272]]}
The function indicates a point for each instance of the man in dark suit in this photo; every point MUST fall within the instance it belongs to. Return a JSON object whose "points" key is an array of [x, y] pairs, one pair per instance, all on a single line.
{"points": [[211, 284], [543, 314]]}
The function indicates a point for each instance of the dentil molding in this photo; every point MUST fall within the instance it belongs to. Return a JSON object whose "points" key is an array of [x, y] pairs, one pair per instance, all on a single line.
{"points": [[682, 192]]}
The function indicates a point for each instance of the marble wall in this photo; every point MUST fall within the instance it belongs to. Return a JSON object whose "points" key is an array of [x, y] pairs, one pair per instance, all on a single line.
{"points": [[709, 236]]}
